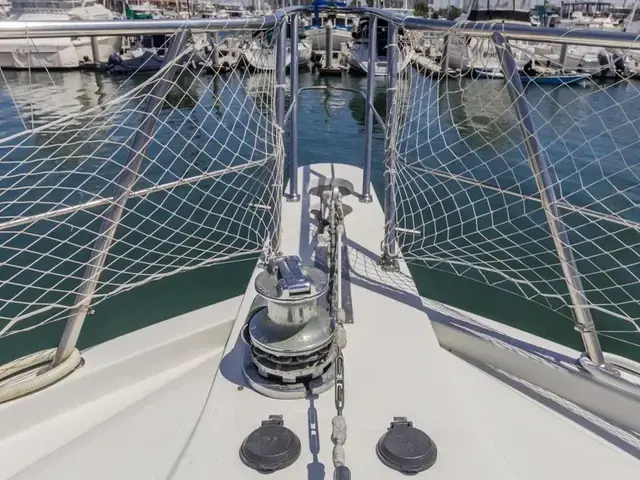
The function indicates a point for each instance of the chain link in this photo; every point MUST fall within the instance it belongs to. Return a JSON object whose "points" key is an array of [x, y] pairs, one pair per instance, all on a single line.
{"points": [[336, 219], [339, 424], [339, 388]]}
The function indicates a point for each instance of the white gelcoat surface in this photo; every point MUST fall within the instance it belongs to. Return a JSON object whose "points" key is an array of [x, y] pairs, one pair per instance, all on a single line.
{"points": [[185, 420]]}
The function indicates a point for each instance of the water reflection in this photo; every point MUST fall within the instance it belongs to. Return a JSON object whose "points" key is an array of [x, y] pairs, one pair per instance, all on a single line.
{"points": [[260, 87], [206, 122], [357, 103], [42, 97], [466, 127], [480, 111], [332, 101]]}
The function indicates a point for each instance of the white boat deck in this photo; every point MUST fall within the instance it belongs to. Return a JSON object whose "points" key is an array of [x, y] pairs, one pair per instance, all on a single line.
{"points": [[187, 421]]}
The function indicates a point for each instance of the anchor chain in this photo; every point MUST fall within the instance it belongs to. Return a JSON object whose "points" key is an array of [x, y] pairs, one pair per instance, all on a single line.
{"points": [[338, 423]]}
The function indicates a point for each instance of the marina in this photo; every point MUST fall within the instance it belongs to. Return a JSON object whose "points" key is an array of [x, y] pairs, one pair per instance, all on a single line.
{"points": [[245, 232]]}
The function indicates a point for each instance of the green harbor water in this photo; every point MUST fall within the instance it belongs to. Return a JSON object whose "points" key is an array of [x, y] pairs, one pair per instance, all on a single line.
{"points": [[331, 129]]}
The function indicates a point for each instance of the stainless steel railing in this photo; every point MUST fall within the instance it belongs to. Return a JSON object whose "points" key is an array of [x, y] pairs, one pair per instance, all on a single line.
{"points": [[499, 34], [125, 183], [89, 28]]}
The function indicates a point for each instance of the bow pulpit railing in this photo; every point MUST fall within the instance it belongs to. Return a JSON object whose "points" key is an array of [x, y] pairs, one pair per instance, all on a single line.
{"points": [[175, 170], [512, 162], [509, 160]]}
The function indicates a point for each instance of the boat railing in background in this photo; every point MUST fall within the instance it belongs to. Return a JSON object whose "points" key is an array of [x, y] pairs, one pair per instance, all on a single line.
{"points": [[185, 170]]}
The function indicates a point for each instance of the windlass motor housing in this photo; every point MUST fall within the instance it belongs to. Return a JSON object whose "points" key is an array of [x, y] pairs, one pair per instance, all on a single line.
{"points": [[291, 340]]}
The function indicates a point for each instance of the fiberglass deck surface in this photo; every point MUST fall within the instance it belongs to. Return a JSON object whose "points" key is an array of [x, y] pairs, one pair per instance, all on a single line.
{"points": [[395, 367], [193, 427]]}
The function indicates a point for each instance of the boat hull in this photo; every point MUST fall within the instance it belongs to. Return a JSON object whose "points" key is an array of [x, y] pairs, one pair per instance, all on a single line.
{"points": [[147, 62], [592, 61], [479, 55], [358, 61], [490, 73], [318, 37], [54, 53], [264, 60], [357, 58]]}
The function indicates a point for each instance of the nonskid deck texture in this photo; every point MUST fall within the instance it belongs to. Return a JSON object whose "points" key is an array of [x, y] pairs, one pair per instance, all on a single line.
{"points": [[484, 428]]}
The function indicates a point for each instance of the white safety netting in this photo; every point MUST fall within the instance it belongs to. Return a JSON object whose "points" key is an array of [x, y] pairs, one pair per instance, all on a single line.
{"points": [[209, 178], [467, 198]]}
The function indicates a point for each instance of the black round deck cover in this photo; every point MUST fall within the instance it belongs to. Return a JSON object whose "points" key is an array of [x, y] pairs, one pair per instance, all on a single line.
{"points": [[269, 448], [406, 448]]}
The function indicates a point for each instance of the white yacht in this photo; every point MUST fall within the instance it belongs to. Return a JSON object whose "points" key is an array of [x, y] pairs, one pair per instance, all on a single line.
{"points": [[477, 55], [599, 20], [258, 53], [343, 25], [357, 56], [5, 8], [206, 10], [146, 9], [587, 59], [231, 10], [596, 61], [260, 57], [535, 20], [62, 53]]}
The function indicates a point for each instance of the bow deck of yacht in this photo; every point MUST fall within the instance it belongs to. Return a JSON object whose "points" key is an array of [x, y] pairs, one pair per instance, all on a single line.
{"points": [[146, 185], [170, 401]]}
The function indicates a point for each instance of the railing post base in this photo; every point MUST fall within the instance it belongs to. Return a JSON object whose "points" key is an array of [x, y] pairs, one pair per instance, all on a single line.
{"points": [[389, 263], [293, 197], [366, 198]]}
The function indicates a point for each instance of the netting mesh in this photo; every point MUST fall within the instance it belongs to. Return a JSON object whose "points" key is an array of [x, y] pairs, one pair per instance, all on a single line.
{"points": [[197, 137], [466, 185]]}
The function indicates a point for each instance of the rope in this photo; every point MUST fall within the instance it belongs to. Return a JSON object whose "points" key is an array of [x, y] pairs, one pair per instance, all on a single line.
{"points": [[35, 382]]}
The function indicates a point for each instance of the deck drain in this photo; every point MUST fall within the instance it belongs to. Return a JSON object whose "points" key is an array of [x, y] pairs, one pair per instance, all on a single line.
{"points": [[270, 447], [406, 448]]}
